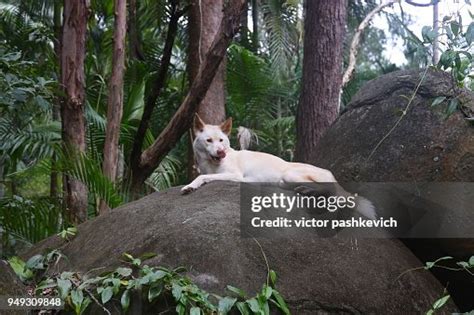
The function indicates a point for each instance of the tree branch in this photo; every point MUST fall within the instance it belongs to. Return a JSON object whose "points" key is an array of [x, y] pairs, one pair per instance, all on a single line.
{"points": [[354, 49], [158, 85], [181, 121]]}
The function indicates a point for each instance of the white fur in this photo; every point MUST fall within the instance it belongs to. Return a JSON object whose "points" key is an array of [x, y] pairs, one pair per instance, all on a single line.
{"points": [[249, 166]]}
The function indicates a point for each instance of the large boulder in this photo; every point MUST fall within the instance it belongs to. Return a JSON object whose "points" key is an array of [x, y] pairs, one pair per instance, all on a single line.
{"points": [[201, 231], [10, 285], [424, 146]]}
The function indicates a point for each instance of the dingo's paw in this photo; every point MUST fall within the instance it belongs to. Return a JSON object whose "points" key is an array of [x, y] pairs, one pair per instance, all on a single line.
{"points": [[187, 189]]}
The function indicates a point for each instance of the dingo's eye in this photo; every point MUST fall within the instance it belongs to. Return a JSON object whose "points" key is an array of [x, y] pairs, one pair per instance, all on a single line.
{"points": [[220, 140], [209, 140]]}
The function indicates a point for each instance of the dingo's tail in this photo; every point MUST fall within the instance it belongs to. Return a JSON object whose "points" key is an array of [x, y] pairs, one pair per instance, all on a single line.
{"points": [[366, 207]]}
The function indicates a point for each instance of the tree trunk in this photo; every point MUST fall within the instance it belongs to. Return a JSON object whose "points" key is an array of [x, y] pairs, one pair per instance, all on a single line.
{"points": [[133, 32], [244, 27], [255, 36], [181, 121], [204, 19], [72, 107], [115, 97], [54, 182], [324, 26]]}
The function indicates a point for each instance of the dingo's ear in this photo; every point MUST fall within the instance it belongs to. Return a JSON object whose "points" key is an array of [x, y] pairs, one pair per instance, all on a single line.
{"points": [[226, 126], [198, 124]]}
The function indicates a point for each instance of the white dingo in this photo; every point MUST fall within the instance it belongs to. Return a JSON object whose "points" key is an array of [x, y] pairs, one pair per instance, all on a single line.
{"points": [[216, 160]]}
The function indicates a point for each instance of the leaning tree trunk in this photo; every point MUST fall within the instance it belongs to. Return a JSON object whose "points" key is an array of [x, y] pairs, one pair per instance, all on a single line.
{"points": [[72, 108], [324, 26], [181, 121], [115, 97], [204, 19]]}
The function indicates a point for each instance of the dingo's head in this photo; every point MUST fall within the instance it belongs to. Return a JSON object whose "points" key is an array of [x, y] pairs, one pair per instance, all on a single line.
{"points": [[212, 141]]}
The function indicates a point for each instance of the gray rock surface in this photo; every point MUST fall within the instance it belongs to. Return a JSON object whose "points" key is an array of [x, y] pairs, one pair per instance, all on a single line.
{"points": [[423, 147], [201, 232], [10, 285]]}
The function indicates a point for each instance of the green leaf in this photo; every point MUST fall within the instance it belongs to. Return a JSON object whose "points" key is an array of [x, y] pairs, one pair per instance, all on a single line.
{"points": [[273, 277], [471, 261], [84, 305], [453, 105], [123, 271], [128, 256], [438, 100], [180, 309], [237, 291], [195, 310], [455, 28], [428, 34], [177, 291], [265, 308], [447, 58], [449, 33], [226, 304], [46, 284], [440, 302], [470, 34], [106, 294], [125, 300], [267, 292], [115, 285], [77, 297], [64, 286], [281, 302], [20, 269], [243, 308], [35, 262], [463, 264], [254, 305], [154, 292], [431, 264], [444, 258]]}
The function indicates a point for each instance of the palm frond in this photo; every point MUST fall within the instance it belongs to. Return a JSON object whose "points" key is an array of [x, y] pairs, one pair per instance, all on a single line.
{"points": [[30, 220], [35, 142], [280, 22], [88, 170], [165, 175]]}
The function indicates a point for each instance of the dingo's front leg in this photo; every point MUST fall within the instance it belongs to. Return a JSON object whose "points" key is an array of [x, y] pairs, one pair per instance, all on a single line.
{"points": [[203, 179]]}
